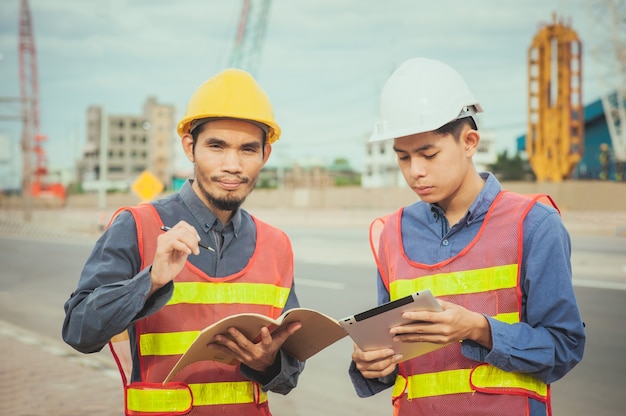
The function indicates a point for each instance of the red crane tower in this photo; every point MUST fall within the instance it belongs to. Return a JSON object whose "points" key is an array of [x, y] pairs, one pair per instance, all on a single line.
{"points": [[250, 34], [33, 179]]}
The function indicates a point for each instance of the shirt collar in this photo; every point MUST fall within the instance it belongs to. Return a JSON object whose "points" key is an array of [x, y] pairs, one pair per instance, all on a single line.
{"points": [[485, 198], [205, 216], [481, 204]]}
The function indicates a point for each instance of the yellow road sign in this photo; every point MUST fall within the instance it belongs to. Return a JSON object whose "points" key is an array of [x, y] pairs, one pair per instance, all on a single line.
{"points": [[147, 186]]}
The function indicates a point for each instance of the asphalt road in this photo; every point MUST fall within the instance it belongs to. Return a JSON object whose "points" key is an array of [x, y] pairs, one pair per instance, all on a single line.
{"points": [[336, 276]]}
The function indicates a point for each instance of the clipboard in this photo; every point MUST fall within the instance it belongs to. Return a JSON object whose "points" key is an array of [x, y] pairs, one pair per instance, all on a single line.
{"points": [[370, 329]]}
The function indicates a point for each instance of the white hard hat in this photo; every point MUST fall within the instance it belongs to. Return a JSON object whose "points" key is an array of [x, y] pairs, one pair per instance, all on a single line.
{"points": [[422, 95]]}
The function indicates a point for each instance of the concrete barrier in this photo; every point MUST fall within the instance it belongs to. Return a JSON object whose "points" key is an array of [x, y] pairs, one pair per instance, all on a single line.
{"points": [[569, 196]]}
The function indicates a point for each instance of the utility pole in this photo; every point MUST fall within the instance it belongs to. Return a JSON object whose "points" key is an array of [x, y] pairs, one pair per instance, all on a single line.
{"points": [[11, 111], [609, 51], [103, 151]]}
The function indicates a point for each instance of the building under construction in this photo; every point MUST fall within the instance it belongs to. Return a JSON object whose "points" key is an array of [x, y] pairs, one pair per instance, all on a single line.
{"points": [[132, 143]]}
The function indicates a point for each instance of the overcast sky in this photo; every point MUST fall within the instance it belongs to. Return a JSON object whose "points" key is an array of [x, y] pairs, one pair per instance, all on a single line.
{"points": [[323, 62]]}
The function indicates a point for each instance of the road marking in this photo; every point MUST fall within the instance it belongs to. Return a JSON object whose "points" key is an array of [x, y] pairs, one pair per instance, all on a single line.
{"points": [[55, 347], [599, 284], [320, 283]]}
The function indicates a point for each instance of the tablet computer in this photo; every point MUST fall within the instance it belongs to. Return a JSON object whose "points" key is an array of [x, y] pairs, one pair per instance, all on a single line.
{"points": [[370, 329]]}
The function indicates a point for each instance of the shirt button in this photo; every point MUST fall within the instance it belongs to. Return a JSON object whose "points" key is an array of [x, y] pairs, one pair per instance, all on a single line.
{"points": [[445, 242]]}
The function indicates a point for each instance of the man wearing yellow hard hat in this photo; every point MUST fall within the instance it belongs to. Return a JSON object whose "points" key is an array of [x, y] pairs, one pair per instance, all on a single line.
{"points": [[498, 263], [215, 260]]}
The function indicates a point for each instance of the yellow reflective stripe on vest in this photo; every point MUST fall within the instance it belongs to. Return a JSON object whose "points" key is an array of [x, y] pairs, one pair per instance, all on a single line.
{"points": [[458, 381], [435, 384], [166, 343], [227, 293], [178, 400], [460, 282], [158, 400], [489, 377], [236, 392]]}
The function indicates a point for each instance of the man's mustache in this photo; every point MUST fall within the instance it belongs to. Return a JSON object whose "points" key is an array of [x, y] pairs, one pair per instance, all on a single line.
{"points": [[227, 178]]}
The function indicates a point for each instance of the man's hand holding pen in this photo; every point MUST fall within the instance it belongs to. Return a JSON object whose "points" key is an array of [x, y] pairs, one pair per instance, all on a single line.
{"points": [[166, 228], [173, 248]]}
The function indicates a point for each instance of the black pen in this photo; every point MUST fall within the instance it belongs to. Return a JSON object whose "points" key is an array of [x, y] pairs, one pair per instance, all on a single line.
{"points": [[165, 228]]}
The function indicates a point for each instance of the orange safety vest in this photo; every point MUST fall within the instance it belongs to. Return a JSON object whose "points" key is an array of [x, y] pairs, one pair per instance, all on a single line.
{"points": [[483, 277], [204, 387]]}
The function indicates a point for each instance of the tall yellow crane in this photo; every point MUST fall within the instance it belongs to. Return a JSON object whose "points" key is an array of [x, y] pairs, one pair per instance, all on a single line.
{"points": [[555, 136]]}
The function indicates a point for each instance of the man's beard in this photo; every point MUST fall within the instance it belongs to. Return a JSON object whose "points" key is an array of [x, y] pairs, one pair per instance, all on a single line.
{"points": [[228, 203]]}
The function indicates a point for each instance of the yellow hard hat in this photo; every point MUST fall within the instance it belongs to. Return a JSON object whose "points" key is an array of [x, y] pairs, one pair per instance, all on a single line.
{"points": [[233, 93]]}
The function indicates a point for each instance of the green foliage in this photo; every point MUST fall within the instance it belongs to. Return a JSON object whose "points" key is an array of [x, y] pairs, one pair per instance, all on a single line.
{"points": [[341, 162], [266, 183], [75, 188], [511, 169], [348, 180], [343, 173]]}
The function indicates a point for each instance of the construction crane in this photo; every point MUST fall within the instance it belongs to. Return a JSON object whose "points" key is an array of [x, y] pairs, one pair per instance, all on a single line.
{"points": [[34, 178], [609, 51], [249, 37], [555, 136]]}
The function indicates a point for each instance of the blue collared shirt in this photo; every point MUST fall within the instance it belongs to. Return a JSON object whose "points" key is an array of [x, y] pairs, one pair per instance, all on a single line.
{"points": [[550, 340]]}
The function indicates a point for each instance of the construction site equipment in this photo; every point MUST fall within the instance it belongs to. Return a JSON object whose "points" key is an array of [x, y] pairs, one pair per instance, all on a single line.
{"points": [[250, 34], [555, 136], [34, 179]]}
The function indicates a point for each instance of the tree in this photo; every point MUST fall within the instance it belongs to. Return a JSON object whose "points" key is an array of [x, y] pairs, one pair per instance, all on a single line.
{"points": [[343, 173], [511, 169]]}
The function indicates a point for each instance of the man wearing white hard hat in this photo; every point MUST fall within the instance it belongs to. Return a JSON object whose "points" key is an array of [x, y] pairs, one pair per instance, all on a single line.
{"points": [[498, 263]]}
